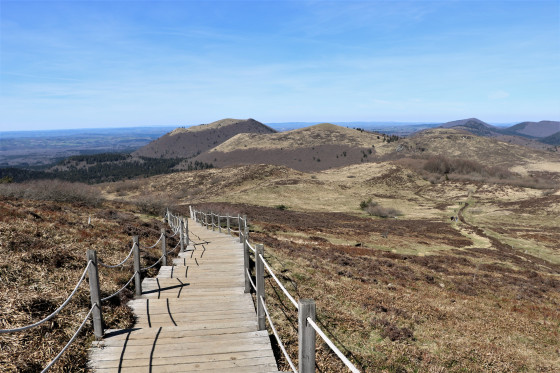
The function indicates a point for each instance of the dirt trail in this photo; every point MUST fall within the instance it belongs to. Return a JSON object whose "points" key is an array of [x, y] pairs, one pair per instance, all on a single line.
{"points": [[505, 249]]}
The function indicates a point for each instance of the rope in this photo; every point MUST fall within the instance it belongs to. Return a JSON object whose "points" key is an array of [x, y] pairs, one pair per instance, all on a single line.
{"points": [[117, 265], [69, 342], [251, 281], [344, 359], [278, 337], [154, 245], [251, 247], [55, 312], [152, 266], [175, 248], [174, 234], [121, 289], [279, 283]]}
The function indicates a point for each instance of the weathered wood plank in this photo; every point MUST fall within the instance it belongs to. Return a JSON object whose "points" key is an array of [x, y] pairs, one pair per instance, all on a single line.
{"points": [[193, 317]]}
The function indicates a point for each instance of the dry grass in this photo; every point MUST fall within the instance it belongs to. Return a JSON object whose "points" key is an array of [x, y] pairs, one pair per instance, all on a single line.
{"points": [[42, 254], [53, 190], [468, 308]]}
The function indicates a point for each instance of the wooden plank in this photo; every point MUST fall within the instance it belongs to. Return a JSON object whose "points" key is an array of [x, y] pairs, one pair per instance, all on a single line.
{"points": [[133, 339], [187, 359], [193, 317]]}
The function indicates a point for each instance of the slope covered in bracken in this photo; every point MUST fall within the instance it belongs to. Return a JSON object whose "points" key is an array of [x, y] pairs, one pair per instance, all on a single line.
{"points": [[44, 235]]}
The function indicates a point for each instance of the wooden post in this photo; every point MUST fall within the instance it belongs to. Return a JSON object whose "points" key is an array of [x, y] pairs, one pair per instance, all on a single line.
{"points": [[212, 216], [187, 240], [245, 222], [261, 316], [228, 231], [245, 237], [181, 236], [219, 223], [163, 248], [137, 275], [94, 294], [306, 336]]}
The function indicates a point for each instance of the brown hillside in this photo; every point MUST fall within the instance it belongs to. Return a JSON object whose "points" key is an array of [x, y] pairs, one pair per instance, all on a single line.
{"points": [[543, 128], [189, 142], [462, 144], [313, 148], [327, 146]]}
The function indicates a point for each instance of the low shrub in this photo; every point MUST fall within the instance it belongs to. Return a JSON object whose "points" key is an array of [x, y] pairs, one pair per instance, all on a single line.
{"points": [[53, 190], [152, 205], [382, 212]]}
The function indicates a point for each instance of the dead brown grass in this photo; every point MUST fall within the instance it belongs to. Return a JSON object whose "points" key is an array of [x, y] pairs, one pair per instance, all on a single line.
{"points": [[42, 254], [463, 309]]}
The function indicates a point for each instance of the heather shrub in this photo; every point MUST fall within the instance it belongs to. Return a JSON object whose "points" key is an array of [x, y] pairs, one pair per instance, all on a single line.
{"points": [[383, 212], [53, 190]]}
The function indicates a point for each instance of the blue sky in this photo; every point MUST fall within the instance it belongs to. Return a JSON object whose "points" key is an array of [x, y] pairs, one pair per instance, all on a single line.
{"points": [[72, 64]]}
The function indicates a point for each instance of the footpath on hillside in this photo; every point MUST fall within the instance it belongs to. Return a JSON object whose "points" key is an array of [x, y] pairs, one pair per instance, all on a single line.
{"points": [[193, 317]]}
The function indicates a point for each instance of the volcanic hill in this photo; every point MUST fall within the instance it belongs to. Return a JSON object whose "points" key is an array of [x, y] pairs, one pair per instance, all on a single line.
{"points": [[541, 129], [313, 148], [535, 135], [189, 142]]}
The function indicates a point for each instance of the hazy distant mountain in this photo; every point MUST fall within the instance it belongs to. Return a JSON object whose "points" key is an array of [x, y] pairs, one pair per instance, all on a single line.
{"points": [[540, 129], [474, 126], [189, 142], [553, 139]]}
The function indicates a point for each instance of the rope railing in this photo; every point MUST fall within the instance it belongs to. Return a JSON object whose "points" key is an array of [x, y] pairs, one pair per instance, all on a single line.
{"points": [[154, 245], [121, 289], [250, 280], [56, 311], [335, 349], [153, 265], [251, 247], [175, 248], [70, 341], [117, 265], [306, 308], [96, 301], [279, 283], [278, 337]]}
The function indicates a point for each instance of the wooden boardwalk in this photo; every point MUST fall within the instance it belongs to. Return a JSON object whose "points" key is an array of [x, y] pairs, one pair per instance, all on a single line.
{"points": [[193, 317]]}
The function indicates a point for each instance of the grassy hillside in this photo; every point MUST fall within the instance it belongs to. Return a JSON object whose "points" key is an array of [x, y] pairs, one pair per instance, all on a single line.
{"points": [[418, 292]]}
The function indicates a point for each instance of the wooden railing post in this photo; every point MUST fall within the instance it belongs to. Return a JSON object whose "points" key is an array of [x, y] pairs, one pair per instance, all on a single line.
{"points": [[181, 236], [137, 275], [163, 248], [245, 238], [95, 294], [245, 225], [206, 220], [219, 223], [212, 216], [306, 336], [186, 223], [228, 230], [261, 316], [241, 230]]}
